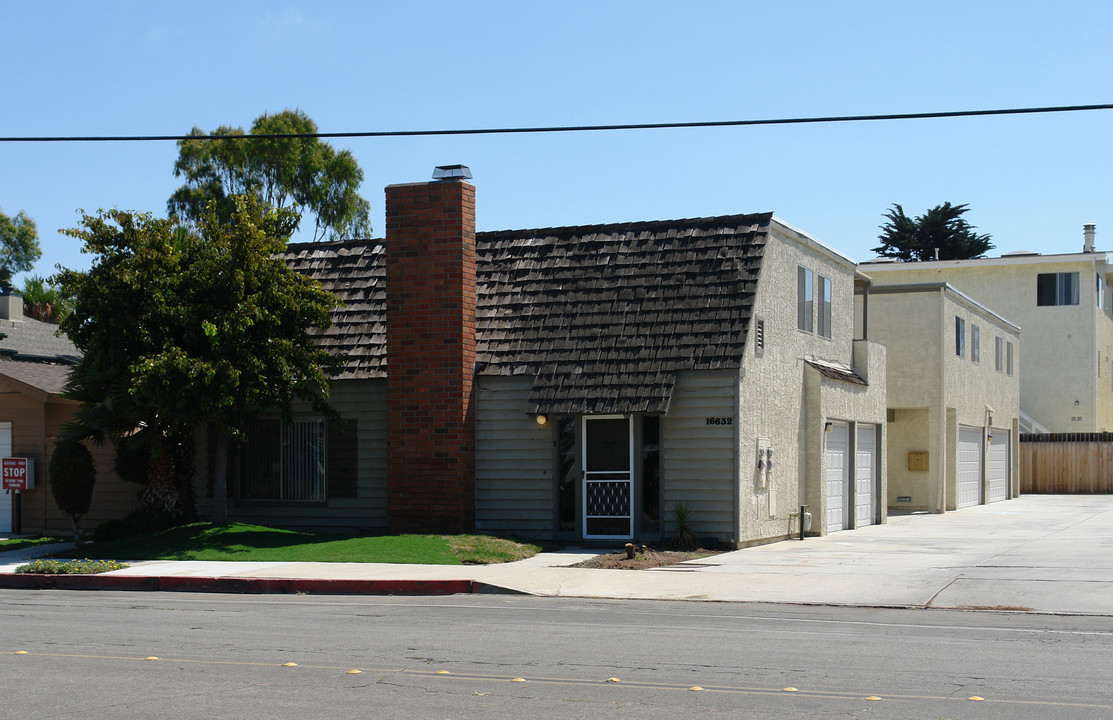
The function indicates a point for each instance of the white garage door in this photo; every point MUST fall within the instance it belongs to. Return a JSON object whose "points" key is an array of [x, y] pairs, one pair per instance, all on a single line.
{"points": [[865, 492], [5, 495], [969, 466], [838, 477], [999, 465]]}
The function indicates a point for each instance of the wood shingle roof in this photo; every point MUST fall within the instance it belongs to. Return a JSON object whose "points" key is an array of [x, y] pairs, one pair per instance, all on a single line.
{"points": [[602, 316]]}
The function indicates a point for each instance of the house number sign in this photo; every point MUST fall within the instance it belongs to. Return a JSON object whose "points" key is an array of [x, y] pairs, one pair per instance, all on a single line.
{"points": [[719, 421]]}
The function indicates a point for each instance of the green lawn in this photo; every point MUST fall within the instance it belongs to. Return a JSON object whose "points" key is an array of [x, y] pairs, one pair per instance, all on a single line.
{"points": [[20, 543], [237, 541]]}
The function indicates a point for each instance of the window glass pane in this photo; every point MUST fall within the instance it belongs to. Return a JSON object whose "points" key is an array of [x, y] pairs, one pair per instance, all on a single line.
{"points": [[960, 337], [260, 464], [824, 307], [568, 477], [975, 343], [1046, 293], [998, 360], [805, 299], [1009, 358], [303, 460], [651, 474], [1068, 288], [608, 445]]}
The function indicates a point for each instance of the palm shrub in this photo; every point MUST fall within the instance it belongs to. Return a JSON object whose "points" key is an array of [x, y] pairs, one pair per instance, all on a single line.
{"points": [[72, 474], [683, 536]]}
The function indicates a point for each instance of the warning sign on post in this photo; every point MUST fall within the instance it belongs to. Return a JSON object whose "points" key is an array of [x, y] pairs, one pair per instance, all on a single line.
{"points": [[16, 473]]}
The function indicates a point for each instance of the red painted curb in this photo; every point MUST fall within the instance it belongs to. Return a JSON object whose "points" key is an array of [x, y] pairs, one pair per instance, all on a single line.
{"points": [[178, 583]]}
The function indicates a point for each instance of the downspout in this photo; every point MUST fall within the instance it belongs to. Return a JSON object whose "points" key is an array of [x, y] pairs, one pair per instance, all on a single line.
{"points": [[737, 496], [941, 495]]}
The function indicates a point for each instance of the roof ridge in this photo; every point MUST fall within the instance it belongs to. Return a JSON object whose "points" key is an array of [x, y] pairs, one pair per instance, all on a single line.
{"points": [[764, 218]]}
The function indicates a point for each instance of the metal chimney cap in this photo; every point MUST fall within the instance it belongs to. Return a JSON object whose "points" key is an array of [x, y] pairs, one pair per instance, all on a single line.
{"points": [[452, 172]]}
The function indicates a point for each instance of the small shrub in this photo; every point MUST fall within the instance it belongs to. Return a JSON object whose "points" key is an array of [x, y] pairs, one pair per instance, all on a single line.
{"points": [[70, 567], [684, 537], [72, 474]]}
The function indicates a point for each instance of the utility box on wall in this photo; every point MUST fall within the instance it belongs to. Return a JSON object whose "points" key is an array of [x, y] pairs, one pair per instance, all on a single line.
{"points": [[918, 461]]}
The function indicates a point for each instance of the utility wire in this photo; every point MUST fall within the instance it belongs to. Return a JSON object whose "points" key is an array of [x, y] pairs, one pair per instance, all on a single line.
{"points": [[566, 128]]}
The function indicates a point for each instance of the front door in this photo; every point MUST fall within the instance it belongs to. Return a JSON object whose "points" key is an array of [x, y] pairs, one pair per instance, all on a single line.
{"points": [[608, 490]]}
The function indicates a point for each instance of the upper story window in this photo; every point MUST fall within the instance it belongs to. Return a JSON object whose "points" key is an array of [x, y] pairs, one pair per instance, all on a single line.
{"points": [[824, 307], [1101, 291], [1057, 288], [1009, 358], [998, 355], [813, 316], [805, 299], [960, 337], [975, 344]]}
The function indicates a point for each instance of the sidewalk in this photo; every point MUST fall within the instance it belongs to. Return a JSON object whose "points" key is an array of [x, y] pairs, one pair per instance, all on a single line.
{"points": [[1037, 553]]}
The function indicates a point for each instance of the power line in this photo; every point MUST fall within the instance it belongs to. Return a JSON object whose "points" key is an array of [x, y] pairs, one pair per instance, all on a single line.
{"points": [[568, 128]]}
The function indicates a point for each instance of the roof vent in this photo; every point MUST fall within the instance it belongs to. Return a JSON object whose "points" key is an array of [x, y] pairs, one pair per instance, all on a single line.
{"points": [[452, 172], [1020, 253], [1088, 232]]}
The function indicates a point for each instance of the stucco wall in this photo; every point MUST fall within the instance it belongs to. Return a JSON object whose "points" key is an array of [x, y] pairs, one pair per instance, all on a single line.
{"points": [[773, 403], [929, 381]]}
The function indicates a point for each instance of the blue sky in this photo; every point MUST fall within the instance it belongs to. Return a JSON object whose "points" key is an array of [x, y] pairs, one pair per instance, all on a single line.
{"points": [[121, 68]]}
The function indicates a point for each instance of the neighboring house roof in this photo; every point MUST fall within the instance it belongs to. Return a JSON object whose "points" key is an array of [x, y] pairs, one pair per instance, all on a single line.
{"points": [[603, 316], [43, 377], [33, 340]]}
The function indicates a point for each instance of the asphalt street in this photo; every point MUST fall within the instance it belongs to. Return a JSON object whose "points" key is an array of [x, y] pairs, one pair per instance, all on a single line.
{"points": [[71, 654]]}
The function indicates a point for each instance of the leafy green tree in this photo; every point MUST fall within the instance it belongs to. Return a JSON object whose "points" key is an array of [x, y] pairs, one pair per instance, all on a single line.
{"points": [[72, 476], [302, 174], [19, 246], [181, 329], [942, 229], [43, 301]]}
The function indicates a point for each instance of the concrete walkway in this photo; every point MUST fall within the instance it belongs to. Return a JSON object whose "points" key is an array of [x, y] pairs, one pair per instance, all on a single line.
{"points": [[1036, 553]]}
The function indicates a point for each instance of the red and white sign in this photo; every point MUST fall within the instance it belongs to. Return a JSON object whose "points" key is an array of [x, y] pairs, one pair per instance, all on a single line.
{"points": [[16, 474]]}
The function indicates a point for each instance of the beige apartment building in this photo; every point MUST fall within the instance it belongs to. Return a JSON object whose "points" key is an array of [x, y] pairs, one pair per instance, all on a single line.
{"points": [[1064, 308]]}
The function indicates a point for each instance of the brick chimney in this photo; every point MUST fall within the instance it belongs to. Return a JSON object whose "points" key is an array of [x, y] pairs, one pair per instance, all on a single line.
{"points": [[430, 328]]}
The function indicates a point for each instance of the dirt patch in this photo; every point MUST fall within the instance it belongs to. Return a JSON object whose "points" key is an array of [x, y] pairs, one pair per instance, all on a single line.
{"points": [[644, 560]]}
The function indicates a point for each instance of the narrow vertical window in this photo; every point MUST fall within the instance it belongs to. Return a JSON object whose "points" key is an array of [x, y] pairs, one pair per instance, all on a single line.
{"points": [[1100, 291], [975, 344], [567, 473], [651, 474], [960, 336], [824, 307], [1009, 359], [805, 299], [999, 360]]}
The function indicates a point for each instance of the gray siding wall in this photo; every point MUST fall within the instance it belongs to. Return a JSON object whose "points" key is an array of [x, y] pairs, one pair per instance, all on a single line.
{"points": [[514, 461], [698, 460], [365, 402]]}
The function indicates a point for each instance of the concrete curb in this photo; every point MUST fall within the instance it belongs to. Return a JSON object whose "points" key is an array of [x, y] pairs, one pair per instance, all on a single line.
{"points": [[240, 585]]}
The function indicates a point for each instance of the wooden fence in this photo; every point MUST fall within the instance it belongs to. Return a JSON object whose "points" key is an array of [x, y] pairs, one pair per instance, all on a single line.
{"points": [[1079, 463]]}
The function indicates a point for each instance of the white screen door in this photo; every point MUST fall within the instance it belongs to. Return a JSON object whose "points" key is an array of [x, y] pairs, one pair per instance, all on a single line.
{"points": [[608, 477]]}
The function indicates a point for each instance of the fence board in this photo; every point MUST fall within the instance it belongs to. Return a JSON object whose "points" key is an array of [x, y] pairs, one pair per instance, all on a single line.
{"points": [[1066, 463]]}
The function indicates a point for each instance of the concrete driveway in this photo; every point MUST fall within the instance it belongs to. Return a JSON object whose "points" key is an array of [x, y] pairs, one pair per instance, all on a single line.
{"points": [[1044, 553]]}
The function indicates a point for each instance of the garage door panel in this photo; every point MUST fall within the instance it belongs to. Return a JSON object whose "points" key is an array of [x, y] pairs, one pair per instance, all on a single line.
{"points": [[837, 470], [865, 503], [969, 466], [998, 471]]}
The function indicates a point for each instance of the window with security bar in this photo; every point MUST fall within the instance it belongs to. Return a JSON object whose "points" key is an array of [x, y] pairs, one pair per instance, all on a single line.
{"points": [[284, 461]]}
